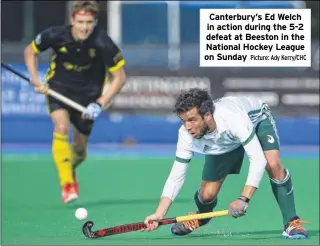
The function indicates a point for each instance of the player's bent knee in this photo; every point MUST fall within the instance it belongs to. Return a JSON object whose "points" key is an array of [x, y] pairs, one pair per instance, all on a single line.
{"points": [[209, 190], [273, 159], [274, 164], [61, 121], [62, 129], [207, 196]]}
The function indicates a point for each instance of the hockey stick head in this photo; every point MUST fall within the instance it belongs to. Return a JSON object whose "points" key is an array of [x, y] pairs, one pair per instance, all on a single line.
{"points": [[86, 229]]}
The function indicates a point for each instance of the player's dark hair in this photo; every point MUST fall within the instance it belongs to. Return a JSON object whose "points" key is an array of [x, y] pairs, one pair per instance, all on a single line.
{"points": [[194, 97], [86, 6]]}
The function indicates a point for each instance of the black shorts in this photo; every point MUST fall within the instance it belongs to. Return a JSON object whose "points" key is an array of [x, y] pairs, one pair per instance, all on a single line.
{"points": [[82, 125]]}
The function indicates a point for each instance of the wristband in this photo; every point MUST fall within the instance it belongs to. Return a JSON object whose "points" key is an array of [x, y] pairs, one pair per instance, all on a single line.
{"points": [[245, 199], [99, 104]]}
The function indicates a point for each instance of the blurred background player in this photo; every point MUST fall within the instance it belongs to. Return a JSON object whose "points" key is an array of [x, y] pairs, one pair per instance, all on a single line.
{"points": [[224, 130], [83, 56]]}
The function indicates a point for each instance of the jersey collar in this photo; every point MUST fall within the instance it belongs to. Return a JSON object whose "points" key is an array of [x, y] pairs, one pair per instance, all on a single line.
{"points": [[211, 135]]}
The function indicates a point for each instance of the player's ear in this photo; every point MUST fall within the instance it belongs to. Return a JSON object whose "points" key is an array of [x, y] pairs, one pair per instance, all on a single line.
{"points": [[71, 20], [207, 117]]}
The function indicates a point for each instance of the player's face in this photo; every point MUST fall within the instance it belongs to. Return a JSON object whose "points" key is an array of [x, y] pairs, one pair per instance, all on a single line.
{"points": [[82, 25], [194, 123]]}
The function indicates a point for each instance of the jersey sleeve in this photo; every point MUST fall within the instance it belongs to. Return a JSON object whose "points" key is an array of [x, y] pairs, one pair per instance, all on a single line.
{"points": [[184, 151], [257, 160], [43, 40], [112, 55], [175, 180]]}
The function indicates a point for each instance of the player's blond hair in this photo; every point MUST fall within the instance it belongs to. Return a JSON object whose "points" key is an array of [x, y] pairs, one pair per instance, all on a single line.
{"points": [[91, 7]]}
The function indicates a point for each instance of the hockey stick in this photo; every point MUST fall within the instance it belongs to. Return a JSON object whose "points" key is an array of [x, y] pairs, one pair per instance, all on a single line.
{"points": [[52, 93], [86, 228]]}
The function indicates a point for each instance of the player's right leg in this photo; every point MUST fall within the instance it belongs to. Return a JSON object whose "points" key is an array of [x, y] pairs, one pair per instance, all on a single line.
{"points": [[61, 150], [215, 170]]}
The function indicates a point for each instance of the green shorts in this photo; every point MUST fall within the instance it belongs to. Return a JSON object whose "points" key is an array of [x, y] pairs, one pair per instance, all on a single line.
{"points": [[217, 167]]}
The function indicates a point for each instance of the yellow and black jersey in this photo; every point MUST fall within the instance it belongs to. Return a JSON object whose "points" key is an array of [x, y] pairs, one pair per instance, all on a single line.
{"points": [[77, 64]]}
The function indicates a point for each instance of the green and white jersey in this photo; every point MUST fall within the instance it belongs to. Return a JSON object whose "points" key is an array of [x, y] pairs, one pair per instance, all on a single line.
{"points": [[236, 119]]}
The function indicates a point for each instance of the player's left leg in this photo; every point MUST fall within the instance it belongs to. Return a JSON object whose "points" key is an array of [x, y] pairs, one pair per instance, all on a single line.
{"points": [[206, 199], [280, 179]]}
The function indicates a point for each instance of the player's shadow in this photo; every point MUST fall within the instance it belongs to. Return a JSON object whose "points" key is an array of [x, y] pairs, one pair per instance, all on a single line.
{"points": [[110, 201], [250, 235]]}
